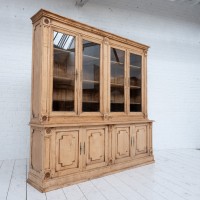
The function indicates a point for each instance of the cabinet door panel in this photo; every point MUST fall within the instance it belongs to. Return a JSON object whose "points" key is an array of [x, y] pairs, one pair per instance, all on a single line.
{"points": [[96, 149], [122, 143], [67, 151], [141, 139]]}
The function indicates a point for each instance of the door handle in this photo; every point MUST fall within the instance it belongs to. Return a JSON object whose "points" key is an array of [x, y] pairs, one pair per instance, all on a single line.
{"points": [[80, 148]]}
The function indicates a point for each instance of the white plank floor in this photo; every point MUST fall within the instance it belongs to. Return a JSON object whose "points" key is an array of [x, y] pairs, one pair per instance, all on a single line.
{"points": [[174, 176]]}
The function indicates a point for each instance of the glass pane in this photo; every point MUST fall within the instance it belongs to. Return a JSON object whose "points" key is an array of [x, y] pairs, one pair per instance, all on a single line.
{"points": [[91, 77], [117, 80], [63, 72], [135, 83]]}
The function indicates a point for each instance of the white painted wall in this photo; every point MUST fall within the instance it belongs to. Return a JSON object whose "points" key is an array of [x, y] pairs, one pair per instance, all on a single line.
{"points": [[173, 64]]}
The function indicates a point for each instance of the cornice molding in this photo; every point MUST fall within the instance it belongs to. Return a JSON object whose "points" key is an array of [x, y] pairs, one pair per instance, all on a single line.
{"points": [[44, 13]]}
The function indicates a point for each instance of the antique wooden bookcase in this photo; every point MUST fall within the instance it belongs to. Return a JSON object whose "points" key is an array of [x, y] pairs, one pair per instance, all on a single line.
{"points": [[89, 103]]}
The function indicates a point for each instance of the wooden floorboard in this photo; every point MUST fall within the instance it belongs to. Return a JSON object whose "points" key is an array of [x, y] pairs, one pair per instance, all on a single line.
{"points": [[18, 181], [73, 192], [5, 178], [174, 176]]}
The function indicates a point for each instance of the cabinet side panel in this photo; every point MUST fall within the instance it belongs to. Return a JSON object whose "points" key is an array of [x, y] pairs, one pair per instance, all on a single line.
{"points": [[36, 150], [36, 79]]}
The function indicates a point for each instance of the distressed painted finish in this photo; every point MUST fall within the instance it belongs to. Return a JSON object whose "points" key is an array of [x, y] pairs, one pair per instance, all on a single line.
{"points": [[69, 147]]}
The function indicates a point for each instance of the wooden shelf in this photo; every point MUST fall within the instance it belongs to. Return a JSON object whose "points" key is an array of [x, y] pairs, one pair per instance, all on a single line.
{"points": [[58, 78], [63, 100], [116, 85], [135, 103], [63, 50], [123, 102], [117, 63], [90, 81], [92, 57], [135, 87], [117, 103], [135, 67], [90, 102]]}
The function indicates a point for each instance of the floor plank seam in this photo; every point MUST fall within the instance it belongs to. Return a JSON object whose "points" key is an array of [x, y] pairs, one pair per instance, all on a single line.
{"points": [[82, 192], [1, 164], [99, 190], [64, 193], [10, 179], [26, 177], [131, 187], [164, 185], [115, 188]]}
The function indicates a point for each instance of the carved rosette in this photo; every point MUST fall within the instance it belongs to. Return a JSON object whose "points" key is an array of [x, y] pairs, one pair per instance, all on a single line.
{"points": [[106, 41], [106, 116], [48, 130], [43, 118], [145, 52], [47, 174], [46, 22]]}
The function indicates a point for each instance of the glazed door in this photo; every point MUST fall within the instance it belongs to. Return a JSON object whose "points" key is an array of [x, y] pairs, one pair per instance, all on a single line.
{"points": [[68, 143], [117, 80], [141, 139], [122, 143], [65, 73], [135, 83], [95, 147], [91, 70]]}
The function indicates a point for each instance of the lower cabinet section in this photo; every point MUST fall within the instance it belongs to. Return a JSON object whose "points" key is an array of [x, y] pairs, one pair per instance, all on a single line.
{"points": [[81, 153]]}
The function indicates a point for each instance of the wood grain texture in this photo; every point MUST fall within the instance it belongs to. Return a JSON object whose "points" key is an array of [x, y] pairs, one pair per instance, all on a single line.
{"points": [[70, 142]]}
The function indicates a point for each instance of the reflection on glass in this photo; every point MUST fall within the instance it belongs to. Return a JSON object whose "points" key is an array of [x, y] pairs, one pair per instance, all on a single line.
{"points": [[91, 77], [63, 72], [135, 82], [117, 80]]}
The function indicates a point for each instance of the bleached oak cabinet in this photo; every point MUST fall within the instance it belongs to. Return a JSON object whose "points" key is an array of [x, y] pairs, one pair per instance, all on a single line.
{"points": [[89, 103]]}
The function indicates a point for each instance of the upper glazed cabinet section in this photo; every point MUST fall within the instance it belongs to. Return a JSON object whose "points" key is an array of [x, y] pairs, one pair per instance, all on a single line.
{"points": [[86, 71], [83, 84]]}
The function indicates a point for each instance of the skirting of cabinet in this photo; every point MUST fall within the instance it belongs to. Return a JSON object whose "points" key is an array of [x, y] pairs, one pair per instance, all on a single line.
{"points": [[58, 182]]}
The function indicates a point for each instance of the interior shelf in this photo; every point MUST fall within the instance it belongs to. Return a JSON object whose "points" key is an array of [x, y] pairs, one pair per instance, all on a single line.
{"points": [[135, 87], [135, 67], [115, 62], [116, 85], [59, 78], [90, 101], [91, 81], [92, 57], [63, 50]]}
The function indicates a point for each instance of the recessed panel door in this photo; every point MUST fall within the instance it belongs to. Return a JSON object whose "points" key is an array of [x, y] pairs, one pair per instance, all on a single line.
{"points": [[95, 147], [141, 137], [122, 143], [67, 151]]}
